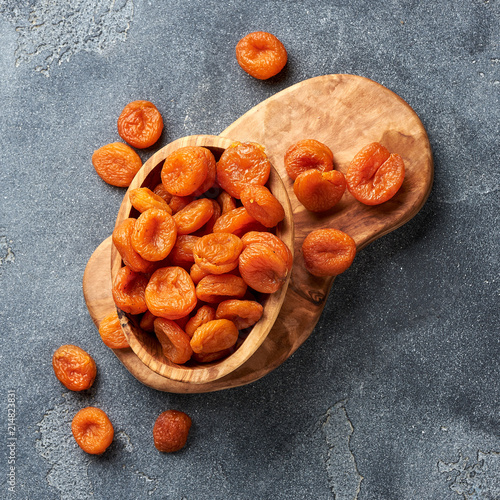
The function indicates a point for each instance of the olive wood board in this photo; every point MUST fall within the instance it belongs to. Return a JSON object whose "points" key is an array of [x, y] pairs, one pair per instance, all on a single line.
{"points": [[345, 112]]}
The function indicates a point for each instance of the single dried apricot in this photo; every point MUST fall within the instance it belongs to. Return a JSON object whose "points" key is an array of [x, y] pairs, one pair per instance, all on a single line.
{"points": [[92, 430], [171, 431], [319, 191], [226, 202], [154, 234], [307, 154], [217, 253], [182, 253], [185, 170], [74, 367], [162, 192], [216, 288], [170, 293], [262, 205], [374, 175], [177, 203], [116, 164], [128, 291], [237, 221], [174, 341], [243, 313], [194, 216], [203, 315], [209, 226], [262, 268], [147, 321], [197, 273], [111, 332], [241, 164], [140, 124], [211, 174], [328, 252], [213, 336], [261, 55], [272, 241], [143, 198]]}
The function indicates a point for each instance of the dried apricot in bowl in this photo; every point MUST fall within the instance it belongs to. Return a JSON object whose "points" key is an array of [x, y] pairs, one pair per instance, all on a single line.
{"points": [[74, 367], [140, 124], [262, 205], [261, 55], [111, 332], [307, 154], [92, 430], [116, 163], [171, 431]]}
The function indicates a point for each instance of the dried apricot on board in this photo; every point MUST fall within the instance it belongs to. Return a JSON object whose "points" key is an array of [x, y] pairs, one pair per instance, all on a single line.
{"points": [[328, 252], [203, 315], [319, 191], [237, 221], [92, 430], [307, 154], [272, 241], [111, 332], [171, 431], [74, 367], [170, 293], [116, 164], [374, 175], [140, 124], [261, 55], [182, 253], [194, 216], [128, 291], [174, 341], [243, 313], [262, 205], [241, 164], [213, 336], [216, 288], [217, 253], [143, 198]]}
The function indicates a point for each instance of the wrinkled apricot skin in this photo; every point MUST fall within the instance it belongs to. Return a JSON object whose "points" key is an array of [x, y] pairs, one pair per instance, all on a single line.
{"points": [[203, 315], [197, 273], [272, 241], [111, 332], [174, 341], [214, 336], [216, 288], [261, 55], [307, 154], [208, 227], [140, 124], [171, 431], [129, 291], [328, 252], [162, 192], [182, 253], [217, 253], [226, 202], [319, 191], [237, 221], [243, 313], [74, 367], [92, 430], [262, 205], [177, 203], [374, 175], [143, 198], [116, 164], [194, 216]]}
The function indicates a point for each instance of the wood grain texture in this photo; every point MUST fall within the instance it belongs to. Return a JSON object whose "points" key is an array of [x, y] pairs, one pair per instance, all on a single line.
{"points": [[346, 112]]}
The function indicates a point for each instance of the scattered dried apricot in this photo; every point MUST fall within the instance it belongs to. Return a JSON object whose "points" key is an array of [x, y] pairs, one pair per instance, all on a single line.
{"points": [[128, 291], [194, 216], [140, 124], [111, 332], [216, 288], [319, 191], [243, 313], [262, 205], [171, 431], [213, 336], [92, 430], [272, 241], [74, 367], [174, 341], [217, 253], [143, 198], [116, 164], [307, 154], [203, 315]]}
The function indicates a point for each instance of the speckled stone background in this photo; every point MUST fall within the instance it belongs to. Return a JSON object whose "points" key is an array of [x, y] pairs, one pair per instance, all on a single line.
{"points": [[396, 393]]}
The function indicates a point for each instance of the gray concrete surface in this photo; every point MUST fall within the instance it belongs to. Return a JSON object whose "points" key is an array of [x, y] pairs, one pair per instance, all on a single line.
{"points": [[396, 393]]}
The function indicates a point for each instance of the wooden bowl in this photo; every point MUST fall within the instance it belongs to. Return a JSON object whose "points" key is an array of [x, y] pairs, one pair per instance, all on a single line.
{"points": [[145, 345]]}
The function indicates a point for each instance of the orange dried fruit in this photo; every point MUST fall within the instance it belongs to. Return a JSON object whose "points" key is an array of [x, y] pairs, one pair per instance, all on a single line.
{"points": [[140, 124], [209, 226], [128, 291], [92, 430], [242, 164], [209, 181], [237, 221], [182, 253], [216, 288], [307, 154], [261, 55], [217, 253], [319, 191], [209, 357], [163, 193], [170, 293], [243, 313], [74, 367], [171, 431], [174, 341], [213, 336], [111, 332], [203, 315], [147, 321], [143, 198], [116, 164], [197, 273], [374, 175], [226, 202], [272, 241], [177, 203], [194, 216], [328, 252], [262, 205]]}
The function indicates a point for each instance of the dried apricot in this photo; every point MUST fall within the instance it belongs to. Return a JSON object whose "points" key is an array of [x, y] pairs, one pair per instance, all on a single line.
{"points": [[111, 332], [211, 174], [328, 252], [128, 291], [182, 253], [307, 154], [213, 336], [147, 321], [170, 293], [226, 202], [217, 253], [262, 268], [209, 226], [216, 288], [163, 193], [374, 175], [261, 55], [185, 170], [92, 430], [208, 357], [262, 205], [116, 164], [197, 273], [241, 164], [74, 367], [237, 221], [177, 203], [174, 341], [143, 198], [243, 313], [140, 124], [154, 234], [182, 322], [171, 431], [194, 216], [203, 315], [272, 241], [319, 191]]}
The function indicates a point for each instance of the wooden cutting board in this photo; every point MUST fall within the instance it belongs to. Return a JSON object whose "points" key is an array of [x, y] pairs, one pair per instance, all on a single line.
{"points": [[345, 112]]}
